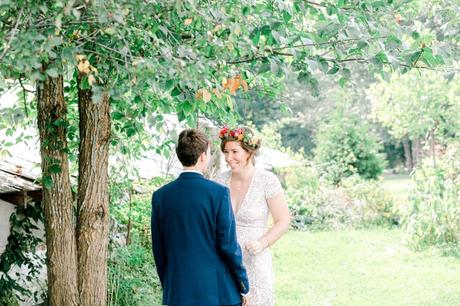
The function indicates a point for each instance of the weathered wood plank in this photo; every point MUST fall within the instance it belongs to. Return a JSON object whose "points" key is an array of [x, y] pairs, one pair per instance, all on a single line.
{"points": [[14, 183]]}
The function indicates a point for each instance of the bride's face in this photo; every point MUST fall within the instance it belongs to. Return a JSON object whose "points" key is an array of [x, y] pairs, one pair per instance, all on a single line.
{"points": [[235, 156]]}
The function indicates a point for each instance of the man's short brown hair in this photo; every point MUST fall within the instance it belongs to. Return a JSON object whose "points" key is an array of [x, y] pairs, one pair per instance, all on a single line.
{"points": [[190, 145]]}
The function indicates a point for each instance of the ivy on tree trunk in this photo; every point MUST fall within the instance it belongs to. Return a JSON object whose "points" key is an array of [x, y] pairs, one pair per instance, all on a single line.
{"points": [[57, 195]]}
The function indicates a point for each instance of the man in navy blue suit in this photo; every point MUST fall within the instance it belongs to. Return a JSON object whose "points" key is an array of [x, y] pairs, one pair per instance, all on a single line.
{"points": [[198, 259]]}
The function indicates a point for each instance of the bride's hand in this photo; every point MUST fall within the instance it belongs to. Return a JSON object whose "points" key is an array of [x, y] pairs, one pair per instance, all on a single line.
{"points": [[255, 247]]}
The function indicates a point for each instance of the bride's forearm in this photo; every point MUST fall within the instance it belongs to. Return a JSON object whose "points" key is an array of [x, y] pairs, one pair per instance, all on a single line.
{"points": [[274, 233]]}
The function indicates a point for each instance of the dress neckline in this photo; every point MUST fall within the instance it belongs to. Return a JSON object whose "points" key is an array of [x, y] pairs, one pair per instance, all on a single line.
{"points": [[237, 209]]}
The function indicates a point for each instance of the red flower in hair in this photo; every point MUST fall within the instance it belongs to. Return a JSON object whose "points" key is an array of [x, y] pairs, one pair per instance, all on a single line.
{"points": [[223, 131]]}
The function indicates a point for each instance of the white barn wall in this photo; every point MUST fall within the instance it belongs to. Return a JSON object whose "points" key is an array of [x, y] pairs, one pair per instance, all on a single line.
{"points": [[6, 209]]}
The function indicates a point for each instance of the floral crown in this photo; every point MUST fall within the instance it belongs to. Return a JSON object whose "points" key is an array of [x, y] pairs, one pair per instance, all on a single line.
{"points": [[239, 134]]}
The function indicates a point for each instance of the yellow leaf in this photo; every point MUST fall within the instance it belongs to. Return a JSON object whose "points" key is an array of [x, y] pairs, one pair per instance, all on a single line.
{"points": [[237, 31], [225, 83], [206, 95], [245, 85], [188, 21], [217, 28], [80, 57], [199, 94], [91, 79], [83, 66], [235, 84], [217, 93]]}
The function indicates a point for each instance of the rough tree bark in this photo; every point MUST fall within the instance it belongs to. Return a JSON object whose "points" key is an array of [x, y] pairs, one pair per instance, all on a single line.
{"points": [[57, 200], [408, 154], [93, 198], [417, 151]]}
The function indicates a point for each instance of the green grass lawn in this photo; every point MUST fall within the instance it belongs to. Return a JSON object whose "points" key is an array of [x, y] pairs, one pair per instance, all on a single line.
{"points": [[399, 183], [400, 186], [361, 267]]}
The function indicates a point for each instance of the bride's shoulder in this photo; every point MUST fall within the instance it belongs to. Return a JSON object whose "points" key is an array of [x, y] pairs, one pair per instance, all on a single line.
{"points": [[267, 175]]}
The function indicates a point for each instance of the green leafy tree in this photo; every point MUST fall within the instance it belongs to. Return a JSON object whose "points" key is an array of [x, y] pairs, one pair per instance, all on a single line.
{"points": [[101, 69], [422, 105], [346, 145]]}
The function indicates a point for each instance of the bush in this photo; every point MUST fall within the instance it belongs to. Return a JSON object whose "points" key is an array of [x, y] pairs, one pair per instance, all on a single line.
{"points": [[345, 145], [434, 219], [316, 204], [130, 209], [376, 206], [132, 277]]}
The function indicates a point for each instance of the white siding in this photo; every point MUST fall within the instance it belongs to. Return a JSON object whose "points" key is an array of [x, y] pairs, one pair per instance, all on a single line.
{"points": [[6, 209]]}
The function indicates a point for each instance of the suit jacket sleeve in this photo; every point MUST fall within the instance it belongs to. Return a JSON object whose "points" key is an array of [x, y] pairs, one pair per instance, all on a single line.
{"points": [[227, 243], [157, 241]]}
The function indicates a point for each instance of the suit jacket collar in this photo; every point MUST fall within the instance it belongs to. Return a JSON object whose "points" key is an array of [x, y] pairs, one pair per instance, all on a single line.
{"points": [[190, 175]]}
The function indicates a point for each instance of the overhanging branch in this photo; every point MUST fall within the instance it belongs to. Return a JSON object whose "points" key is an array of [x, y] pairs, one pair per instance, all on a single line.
{"points": [[13, 33]]}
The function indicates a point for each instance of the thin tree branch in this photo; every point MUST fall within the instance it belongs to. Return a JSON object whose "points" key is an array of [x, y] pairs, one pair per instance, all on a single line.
{"points": [[13, 33], [24, 90], [325, 6], [103, 46], [335, 42]]}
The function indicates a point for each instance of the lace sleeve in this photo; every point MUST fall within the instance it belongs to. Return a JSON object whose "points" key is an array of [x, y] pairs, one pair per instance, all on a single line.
{"points": [[272, 185]]}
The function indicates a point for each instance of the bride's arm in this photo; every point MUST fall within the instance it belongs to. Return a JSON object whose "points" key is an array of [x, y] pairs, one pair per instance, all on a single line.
{"points": [[281, 220]]}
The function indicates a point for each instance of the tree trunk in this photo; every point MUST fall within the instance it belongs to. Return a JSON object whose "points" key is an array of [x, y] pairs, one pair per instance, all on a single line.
{"points": [[408, 154], [93, 198], [433, 147], [416, 151], [57, 200]]}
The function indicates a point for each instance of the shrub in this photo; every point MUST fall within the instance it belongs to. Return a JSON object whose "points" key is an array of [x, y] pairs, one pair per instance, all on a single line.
{"points": [[376, 206], [345, 145], [434, 219], [316, 204], [132, 277]]}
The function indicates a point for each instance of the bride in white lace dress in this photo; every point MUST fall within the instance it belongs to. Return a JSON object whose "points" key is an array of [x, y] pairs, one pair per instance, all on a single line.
{"points": [[255, 194]]}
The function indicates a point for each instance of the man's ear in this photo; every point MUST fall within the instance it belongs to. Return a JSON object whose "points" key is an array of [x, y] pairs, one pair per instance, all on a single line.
{"points": [[202, 156]]}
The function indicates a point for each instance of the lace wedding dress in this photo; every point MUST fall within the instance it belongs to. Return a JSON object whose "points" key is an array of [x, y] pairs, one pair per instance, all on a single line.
{"points": [[251, 224]]}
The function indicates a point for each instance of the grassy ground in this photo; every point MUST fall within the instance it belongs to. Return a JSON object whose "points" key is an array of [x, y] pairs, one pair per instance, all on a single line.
{"points": [[400, 186], [370, 267]]}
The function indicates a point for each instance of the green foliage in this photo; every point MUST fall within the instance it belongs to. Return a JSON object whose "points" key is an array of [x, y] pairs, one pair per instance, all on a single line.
{"points": [[345, 145], [377, 205], [21, 251], [434, 218], [431, 104], [130, 206], [315, 204], [132, 277]]}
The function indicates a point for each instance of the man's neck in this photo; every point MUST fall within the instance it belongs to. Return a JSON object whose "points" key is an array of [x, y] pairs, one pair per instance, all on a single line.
{"points": [[196, 169]]}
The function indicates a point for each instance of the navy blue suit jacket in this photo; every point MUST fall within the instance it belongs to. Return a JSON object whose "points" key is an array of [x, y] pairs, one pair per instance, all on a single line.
{"points": [[197, 257]]}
